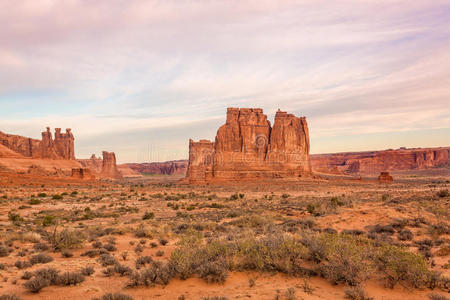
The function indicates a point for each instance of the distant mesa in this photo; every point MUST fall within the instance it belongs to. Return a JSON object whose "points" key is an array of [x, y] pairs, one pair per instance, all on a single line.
{"points": [[175, 167], [247, 147], [374, 162]]}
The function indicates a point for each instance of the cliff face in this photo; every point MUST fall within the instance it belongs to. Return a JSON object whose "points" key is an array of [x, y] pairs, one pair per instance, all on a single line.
{"points": [[105, 168], [379, 161], [109, 166], [247, 147], [62, 147], [175, 167]]}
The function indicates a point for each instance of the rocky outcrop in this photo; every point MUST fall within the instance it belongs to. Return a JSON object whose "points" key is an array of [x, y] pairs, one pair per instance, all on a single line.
{"points": [[247, 147], [385, 177], [105, 168], [62, 147], [109, 166], [373, 162], [175, 167], [82, 173]]}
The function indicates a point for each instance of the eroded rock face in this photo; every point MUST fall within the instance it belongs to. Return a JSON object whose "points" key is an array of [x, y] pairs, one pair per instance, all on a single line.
{"points": [[385, 177], [379, 161], [105, 168], [174, 167], [82, 173], [62, 147], [247, 147], [109, 166]]}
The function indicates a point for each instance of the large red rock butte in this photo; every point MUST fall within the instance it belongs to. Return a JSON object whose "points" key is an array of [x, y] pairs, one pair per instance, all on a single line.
{"points": [[61, 147], [248, 148], [373, 162]]}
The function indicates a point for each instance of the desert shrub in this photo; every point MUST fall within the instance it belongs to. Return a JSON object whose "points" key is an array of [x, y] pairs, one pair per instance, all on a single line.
{"points": [[20, 264], [41, 247], [9, 297], [87, 271], [115, 296], [70, 278], [399, 265], [214, 271], [108, 272], [97, 244], [36, 284], [90, 253], [142, 261], [388, 229], [405, 235], [138, 249], [352, 231], [42, 195], [35, 201], [41, 258], [57, 197], [148, 215], [49, 274], [14, 217], [346, 259], [4, 251], [163, 241], [159, 253], [26, 275], [107, 260], [142, 232], [48, 220], [215, 298], [122, 270], [156, 273], [67, 239], [356, 293], [66, 253], [271, 253], [443, 193], [110, 247]]}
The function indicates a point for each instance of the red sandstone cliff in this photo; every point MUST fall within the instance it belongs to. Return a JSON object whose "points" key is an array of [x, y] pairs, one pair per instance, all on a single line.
{"points": [[378, 161], [105, 168], [175, 167], [247, 147], [62, 147]]}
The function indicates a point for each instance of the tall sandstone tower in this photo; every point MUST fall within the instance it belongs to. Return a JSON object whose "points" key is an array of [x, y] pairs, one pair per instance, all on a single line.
{"points": [[248, 148]]}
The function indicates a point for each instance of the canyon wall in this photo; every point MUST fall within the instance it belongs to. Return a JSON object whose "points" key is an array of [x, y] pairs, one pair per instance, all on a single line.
{"points": [[379, 161], [175, 167], [61, 147], [247, 147]]}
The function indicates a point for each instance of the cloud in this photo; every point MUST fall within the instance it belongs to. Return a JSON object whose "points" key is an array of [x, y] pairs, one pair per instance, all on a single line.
{"points": [[112, 68]]}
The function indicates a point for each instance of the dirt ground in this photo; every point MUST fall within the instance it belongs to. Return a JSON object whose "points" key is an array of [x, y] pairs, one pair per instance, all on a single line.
{"points": [[150, 216]]}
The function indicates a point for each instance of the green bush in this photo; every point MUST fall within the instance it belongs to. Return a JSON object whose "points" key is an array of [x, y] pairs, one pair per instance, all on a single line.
{"points": [[399, 265]]}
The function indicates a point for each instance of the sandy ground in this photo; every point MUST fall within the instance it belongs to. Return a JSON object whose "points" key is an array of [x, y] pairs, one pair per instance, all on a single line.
{"points": [[120, 206]]}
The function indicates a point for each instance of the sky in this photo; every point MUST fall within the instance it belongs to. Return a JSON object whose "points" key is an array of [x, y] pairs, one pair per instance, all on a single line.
{"points": [[141, 78]]}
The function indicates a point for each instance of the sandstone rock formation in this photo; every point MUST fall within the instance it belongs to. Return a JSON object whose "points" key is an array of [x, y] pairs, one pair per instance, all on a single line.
{"points": [[247, 147], [62, 147], [105, 168], [82, 173], [385, 177], [109, 166], [373, 162], [175, 167]]}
